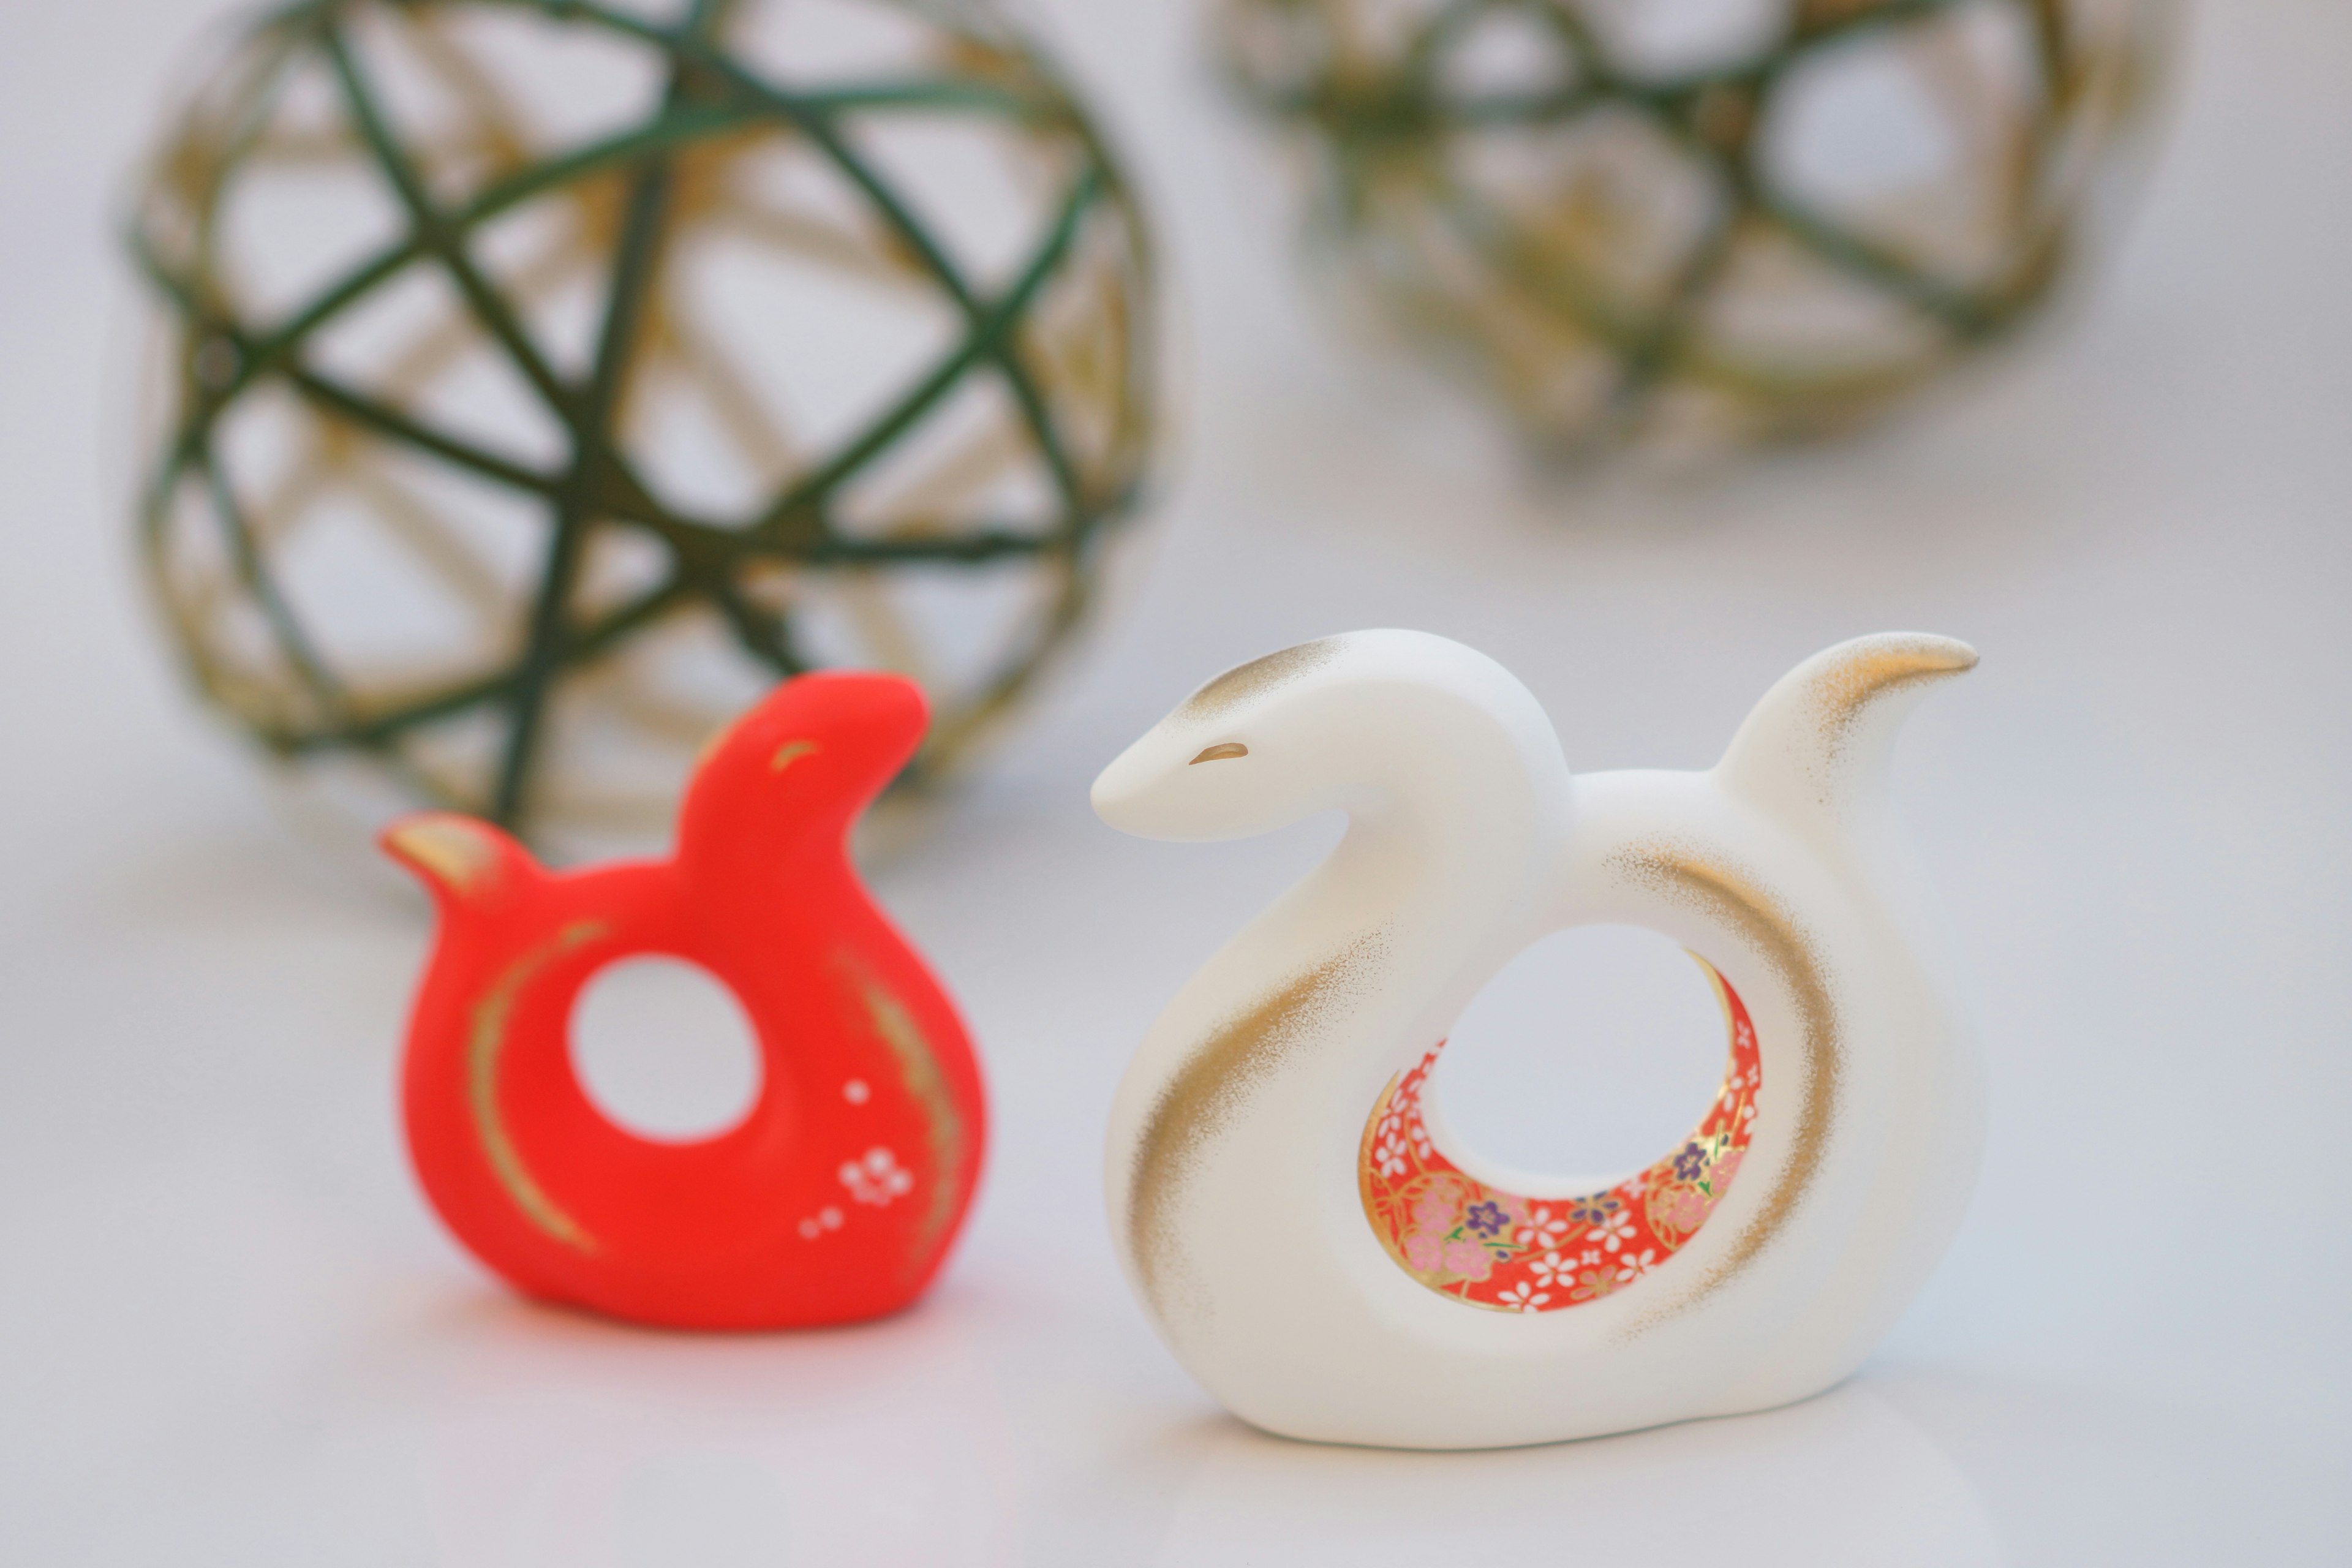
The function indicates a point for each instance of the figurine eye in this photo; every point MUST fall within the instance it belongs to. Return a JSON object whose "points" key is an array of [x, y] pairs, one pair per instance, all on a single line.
{"points": [[1218, 753]]}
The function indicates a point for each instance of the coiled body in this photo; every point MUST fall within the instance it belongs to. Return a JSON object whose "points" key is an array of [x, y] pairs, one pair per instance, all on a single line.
{"points": [[838, 1193], [1310, 1240]]}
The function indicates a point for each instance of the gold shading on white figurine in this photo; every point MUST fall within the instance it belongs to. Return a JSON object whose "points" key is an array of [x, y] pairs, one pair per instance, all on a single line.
{"points": [[1309, 1239]]}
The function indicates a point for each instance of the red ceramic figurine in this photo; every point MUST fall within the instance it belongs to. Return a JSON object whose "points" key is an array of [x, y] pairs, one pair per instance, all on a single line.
{"points": [[836, 1196]]}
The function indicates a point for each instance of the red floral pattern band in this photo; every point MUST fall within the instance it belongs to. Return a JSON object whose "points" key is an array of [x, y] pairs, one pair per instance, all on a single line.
{"points": [[1510, 1252]]}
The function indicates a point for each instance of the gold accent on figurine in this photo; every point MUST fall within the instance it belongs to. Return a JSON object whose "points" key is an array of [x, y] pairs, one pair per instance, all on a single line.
{"points": [[918, 1070], [451, 850], [1207, 1093], [1789, 954], [484, 1047], [1846, 691], [1224, 751], [1259, 676]]}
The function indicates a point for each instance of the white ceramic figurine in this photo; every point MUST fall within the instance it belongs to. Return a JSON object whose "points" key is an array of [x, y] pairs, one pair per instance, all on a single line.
{"points": [[1309, 1239]]}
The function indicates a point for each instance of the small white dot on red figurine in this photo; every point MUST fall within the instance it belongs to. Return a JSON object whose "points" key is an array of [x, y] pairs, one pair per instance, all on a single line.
{"points": [[877, 1178], [856, 1091], [830, 1218]]}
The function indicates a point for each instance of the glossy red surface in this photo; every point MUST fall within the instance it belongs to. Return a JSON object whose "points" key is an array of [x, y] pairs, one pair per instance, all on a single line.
{"points": [[837, 1194]]}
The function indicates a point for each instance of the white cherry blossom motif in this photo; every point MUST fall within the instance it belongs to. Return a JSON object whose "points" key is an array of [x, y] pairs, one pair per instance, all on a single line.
{"points": [[1551, 1268], [827, 1218], [1543, 1228], [877, 1178], [1390, 1154], [1614, 1230], [1744, 1078], [1523, 1297], [1631, 1267]]}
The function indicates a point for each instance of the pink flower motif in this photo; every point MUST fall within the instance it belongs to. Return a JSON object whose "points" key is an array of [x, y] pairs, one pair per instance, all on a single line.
{"points": [[1468, 1259], [1683, 1208], [1726, 1167], [1424, 1253], [1436, 1209]]}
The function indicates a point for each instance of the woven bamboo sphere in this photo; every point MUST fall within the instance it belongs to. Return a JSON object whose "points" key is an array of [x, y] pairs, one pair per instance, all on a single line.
{"points": [[545, 380], [1690, 223]]}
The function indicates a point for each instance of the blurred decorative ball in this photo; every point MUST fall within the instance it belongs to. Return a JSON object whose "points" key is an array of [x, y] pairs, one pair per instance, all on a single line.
{"points": [[545, 380], [1684, 223]]}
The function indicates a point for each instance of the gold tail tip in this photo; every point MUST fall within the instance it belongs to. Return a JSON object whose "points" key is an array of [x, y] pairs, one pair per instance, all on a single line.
{"points": [[454, 852], [1872, 666]]}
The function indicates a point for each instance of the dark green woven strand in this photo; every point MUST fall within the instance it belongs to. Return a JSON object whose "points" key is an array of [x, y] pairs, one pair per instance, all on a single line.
{"points": [[1402, 112], [708, 93]]}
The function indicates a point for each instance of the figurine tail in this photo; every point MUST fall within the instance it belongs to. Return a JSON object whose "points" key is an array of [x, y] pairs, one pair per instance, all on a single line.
{"points": [[1821, 741], [463, 860]]}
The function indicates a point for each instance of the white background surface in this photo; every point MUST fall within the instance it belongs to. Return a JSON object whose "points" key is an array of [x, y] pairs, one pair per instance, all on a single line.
{"points": [[231, 1334]]}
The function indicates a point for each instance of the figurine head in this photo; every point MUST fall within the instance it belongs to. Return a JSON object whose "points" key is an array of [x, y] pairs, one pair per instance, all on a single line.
{"points": [[1350, 721], [800, 765], [789, 774]]}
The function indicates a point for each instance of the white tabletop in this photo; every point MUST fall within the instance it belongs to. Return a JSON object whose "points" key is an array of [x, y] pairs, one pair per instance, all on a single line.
{"points": [[230, 1332]]}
